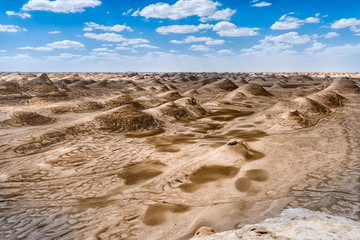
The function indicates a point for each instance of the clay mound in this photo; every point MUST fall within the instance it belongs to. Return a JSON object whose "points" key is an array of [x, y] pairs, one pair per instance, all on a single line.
{"points": [[175, 111], [208, 81], [242, 81], [330, 99], [310, 105], [39, 85], [8, 88], [344, 86], [121, 101], [163, 89], [191, 92], [169, 96], [82, 84], [172, 87], [227, 85], [192, 107], [126, 118], [235, 95], [89, 106], [300, 118], [255, 89], [24, 118]]}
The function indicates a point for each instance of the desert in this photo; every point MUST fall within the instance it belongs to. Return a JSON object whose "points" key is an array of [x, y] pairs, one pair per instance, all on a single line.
{"points": [[175, 155]]}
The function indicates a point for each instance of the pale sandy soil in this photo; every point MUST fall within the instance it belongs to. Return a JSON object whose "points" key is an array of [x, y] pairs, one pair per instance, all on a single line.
{"points": [[174, 152]]}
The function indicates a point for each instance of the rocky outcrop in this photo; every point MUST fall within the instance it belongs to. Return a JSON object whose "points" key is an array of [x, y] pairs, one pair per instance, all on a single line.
{"points": [[294, 224]]}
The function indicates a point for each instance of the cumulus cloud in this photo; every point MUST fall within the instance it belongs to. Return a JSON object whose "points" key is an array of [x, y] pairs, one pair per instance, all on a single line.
{"points": [[22, 15], [201, 48], [225, 52], [331, 35], [113, 37], [10, 28], [261, 4], [345, 22], [182, 28], [204, 9], [353, 23], [207, 40], [277, 44], [63, 56], [54, 32], [90, 26], [60, 6], [227, 29], [287, 22], [315, 47], [65, 44]]}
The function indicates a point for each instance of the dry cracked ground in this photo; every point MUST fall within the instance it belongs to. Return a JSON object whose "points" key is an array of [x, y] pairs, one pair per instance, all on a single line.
{"points": [[157, 156]]}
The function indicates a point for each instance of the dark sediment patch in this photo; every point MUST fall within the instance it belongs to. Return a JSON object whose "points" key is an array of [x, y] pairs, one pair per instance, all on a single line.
{"points": [[208, 174], [225, 115], [258, 175], [172, 143], [243, 184], [155, 214], [137, 173], [145, 133]]}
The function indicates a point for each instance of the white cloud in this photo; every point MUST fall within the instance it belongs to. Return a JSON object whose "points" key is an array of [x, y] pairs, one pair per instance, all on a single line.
{"points": [[60, 6], [46, 49], [182, 28], [102, 50], [225, 52], [207, 40], [227, 29], [204, 9], [145, 46], [290, 37], [315, 47], [345, 50], [26, 48], [122, 48], [9, 28], [200, 48], [312, 20], [113, 37], [62, 56], [262, 4], [22, 15], [345, 22], [288, 22], [54, 32], [224, 14], [274, 45], [65, 44], [90, 26], [331, 35], [3, 51], [127, 12]]}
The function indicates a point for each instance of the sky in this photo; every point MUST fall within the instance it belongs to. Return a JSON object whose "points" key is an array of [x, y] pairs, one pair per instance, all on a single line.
{"points": [[180, 35]]}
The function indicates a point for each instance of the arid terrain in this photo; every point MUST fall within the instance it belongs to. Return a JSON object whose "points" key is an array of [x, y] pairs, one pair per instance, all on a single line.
{"points": [[159, 155]]}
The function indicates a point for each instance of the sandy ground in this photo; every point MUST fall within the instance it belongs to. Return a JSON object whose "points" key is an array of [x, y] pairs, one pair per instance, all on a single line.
{"points": [[157, 156]]}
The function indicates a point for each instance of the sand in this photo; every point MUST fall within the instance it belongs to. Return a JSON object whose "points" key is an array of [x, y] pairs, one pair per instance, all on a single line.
{"points": [[158, 156]]}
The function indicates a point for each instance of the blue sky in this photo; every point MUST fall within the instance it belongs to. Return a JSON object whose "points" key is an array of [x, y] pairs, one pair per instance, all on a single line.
{"points": [[179, 35]]}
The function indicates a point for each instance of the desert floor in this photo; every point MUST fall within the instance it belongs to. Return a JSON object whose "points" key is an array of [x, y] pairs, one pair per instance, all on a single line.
{"points": [[157, 156]]}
